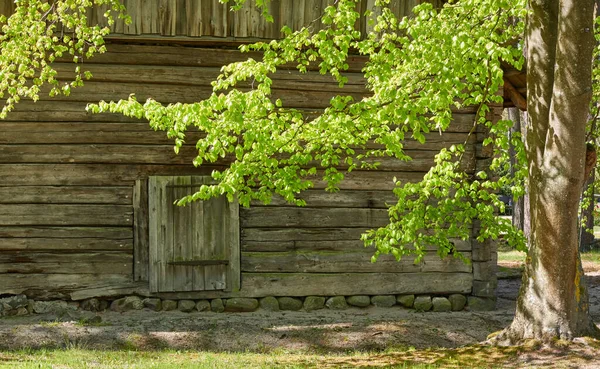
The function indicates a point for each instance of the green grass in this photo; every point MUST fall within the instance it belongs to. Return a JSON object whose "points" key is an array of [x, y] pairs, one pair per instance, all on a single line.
{"points": [[593, 256], [466, 357], [519, 256], [512, 255]]}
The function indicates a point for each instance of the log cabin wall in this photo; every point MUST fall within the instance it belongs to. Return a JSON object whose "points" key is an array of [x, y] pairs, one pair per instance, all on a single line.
{"points": [[210, 19], [74, 189]]}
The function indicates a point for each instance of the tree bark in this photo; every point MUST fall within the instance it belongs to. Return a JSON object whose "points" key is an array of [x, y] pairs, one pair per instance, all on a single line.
{"points": [[526, 209], [553, 300], [518, 205]]}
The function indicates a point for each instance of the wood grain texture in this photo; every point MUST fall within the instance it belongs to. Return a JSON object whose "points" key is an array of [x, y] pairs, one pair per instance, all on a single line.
{"points": [[285, 234], [90, 174], [422, 160], [96, 153], [347, 261], [211, 19], [205, 230], [121, 195], [197, 237], [54, 263], [307, 284], [334, 245], [50, 286], [103, 233], [203, 76], [281, 217], [182, 236], [82, 286], [141, 258], [66, 214], [340, 199], [169, 93], [84, 242], [73, 191]]}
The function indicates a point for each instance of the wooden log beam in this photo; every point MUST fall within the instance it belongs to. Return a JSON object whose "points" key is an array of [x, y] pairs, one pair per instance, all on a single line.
{"points": [[353, 245], [66, 244], [347, 261], [515, 96], [66, 263], [83, 286], [66, 214], [121, 195], [104, 233], [280, 217]]}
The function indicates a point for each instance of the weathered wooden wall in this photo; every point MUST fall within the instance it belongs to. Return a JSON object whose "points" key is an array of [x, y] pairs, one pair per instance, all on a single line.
{"points": [[209, 18], [73, 194], [73, 211], [212, 19]]}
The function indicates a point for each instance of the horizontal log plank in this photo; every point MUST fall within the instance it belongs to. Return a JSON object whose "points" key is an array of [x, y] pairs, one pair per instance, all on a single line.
{"points": [[110, 154], [83, 286], [141, 134], [312, 217], [340, 199], [66, 195], [164, 154], [108, 233], [61, 285], [62, 111], [56, 120], [66, 214], [52, 263], [191, 56], [353, 245], [125, 174], [67, 244], [168, 93], [119, 53], [204, 76], [347, 262], [85, 133], [294, 284], [435, 141], [90, 174], [286, 234], [371, 180]]}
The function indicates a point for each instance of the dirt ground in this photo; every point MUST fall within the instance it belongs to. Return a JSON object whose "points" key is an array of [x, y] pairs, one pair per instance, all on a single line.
{"points": [[371, 329]]}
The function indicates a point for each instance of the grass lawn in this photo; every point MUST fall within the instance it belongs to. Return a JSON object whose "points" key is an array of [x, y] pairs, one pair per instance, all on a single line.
{"points": [[519, 256], [474, 356]]}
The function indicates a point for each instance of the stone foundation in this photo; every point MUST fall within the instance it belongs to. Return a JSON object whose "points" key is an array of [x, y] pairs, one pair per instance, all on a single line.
{"points": [[20, 305]]}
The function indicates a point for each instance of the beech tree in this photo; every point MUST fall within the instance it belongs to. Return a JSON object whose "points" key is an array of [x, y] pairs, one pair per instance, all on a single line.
{"points": [[419, 68], [560, 43]]}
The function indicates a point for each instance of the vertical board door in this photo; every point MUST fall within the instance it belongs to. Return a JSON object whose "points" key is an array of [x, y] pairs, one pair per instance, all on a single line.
{"points": [[194, 247]]}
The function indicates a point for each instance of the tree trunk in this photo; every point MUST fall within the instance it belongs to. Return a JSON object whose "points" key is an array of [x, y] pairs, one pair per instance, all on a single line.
{"points": [[553, 301], [526, 209], [518, 212]]}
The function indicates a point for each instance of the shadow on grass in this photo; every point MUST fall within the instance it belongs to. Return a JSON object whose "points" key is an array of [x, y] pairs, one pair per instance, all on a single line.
{"points": [[575, 355], [331, 333], [582, 353]]}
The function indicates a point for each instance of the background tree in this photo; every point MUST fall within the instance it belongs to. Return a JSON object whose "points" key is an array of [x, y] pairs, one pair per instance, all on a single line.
{"points": [[419, 69]]}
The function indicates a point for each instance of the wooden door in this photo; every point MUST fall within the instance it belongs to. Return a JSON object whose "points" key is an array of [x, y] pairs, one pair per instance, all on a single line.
{"points": [[194, 247]]}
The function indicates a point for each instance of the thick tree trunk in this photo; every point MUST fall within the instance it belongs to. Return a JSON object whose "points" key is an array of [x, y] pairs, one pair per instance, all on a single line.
{"points": [[518, 211], [553, 301], [526, 209]]}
